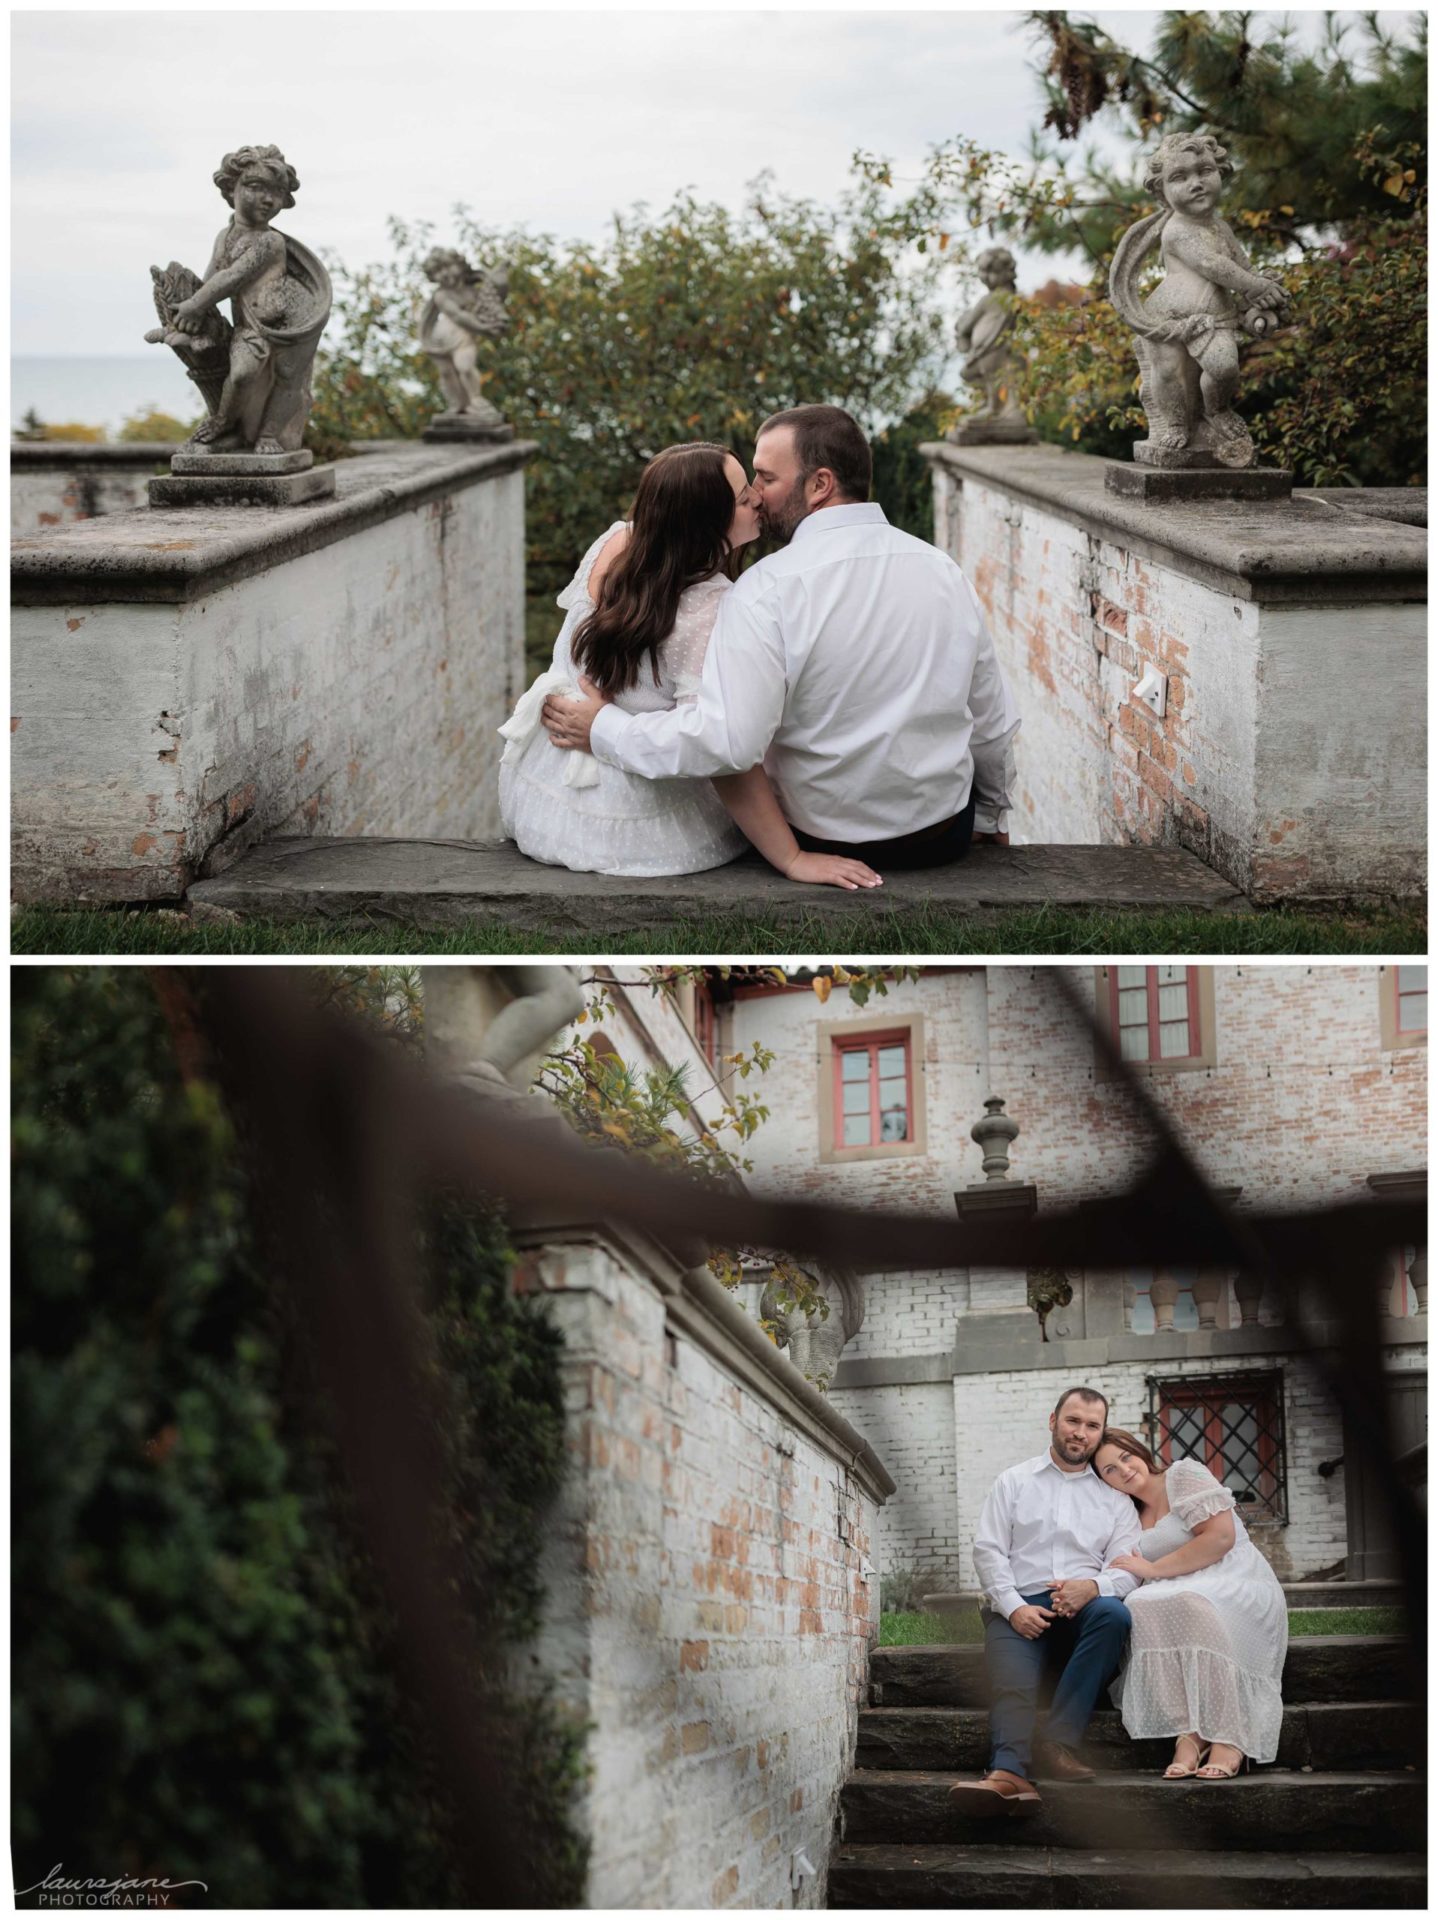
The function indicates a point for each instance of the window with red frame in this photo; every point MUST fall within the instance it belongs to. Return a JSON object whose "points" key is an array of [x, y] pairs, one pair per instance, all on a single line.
{"points": [[1410, 989], [1234, 1426], [1155, 1012], [873, 1090]]}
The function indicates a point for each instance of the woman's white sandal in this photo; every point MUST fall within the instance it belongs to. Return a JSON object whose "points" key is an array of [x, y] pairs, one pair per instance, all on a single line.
{"points": [[1176, 1770]]}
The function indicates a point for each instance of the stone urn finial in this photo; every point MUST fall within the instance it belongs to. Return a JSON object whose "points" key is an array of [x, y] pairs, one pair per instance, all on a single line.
{"points": [[995, 1133]]}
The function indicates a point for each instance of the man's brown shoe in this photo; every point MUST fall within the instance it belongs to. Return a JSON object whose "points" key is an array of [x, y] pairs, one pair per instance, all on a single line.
{"points": [[1052, 1762], [998, 1793]]}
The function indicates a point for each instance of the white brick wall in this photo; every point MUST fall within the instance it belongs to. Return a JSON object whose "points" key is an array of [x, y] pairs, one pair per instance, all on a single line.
{"points": [[1261, 763], [353, 689], [708, 1613], [1301, 1106], [909, 1313], [912, 1431]]}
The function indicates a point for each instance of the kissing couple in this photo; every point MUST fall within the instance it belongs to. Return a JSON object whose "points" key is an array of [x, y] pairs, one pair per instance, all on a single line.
{"points": [[839, 706]]}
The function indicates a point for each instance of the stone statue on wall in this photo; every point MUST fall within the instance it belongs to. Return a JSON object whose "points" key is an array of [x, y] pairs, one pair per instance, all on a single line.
{"points": [[1186, 331], [986, 337], [254, 371], [489, 1027], [466, 306]]}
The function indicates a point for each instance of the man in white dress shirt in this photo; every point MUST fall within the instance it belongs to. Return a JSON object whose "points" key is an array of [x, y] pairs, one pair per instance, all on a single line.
{"points": [[1047, 1531], [854, 662]]}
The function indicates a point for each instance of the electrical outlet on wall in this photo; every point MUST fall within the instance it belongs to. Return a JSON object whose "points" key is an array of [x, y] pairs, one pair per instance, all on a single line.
{"points": [[1152, 691]]}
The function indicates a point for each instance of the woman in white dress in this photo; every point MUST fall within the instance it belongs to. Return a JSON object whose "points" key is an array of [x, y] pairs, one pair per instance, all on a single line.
{"points": [[638, 616], [1210, 1624]]}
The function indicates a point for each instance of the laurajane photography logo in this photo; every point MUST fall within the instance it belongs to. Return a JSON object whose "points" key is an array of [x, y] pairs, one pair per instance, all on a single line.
{"points": [[56, 1891]]}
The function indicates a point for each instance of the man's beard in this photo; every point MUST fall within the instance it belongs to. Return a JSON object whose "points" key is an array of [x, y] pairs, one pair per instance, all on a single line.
{"points": [[1077, 1449], [779, 522]]}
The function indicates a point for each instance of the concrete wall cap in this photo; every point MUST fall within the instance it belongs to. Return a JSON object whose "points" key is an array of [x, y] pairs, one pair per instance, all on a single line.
{"points": [[185, 553], [1276, 552], [89, 453]]}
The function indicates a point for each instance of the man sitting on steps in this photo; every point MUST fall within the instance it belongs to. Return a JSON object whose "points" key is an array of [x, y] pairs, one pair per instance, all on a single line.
{"points": [[1047, 1531]]}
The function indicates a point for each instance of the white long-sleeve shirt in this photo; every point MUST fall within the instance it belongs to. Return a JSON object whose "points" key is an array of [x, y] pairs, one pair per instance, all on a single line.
{"points": [[1040, 1524], [855, 663]]}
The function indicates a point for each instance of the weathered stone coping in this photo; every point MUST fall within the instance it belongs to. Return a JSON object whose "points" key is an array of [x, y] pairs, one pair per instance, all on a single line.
{"points": [[1011, 1343], [1276, 552], [184, 553], [1408, 504], [449, 882], [697, 1306], [89, 453]]}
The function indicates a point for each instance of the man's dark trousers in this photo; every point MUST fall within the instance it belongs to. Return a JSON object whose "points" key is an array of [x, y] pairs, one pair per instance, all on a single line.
{"points": [[1089, 1647], [936, 846]]}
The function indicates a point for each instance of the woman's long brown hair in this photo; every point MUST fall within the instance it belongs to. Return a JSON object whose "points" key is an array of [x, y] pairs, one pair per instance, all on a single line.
{"points": [[683, 510], [1130, 1442]]}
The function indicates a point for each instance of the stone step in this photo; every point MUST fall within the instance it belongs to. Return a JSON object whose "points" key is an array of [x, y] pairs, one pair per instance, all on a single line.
{"points": [[1301, 1595], [1040, 1877], [1138, 1812], [444, 883], [1326, 1668], [1358, 1735]]}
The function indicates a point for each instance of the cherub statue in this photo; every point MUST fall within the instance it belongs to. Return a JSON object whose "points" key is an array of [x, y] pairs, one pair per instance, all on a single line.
{"points": [[254, 375], [1186, 331], [466, 305], [985, 335]]}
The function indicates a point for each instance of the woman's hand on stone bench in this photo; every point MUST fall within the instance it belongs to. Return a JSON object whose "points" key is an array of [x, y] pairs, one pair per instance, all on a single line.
{"points": [[989, 839], [831, 870]]}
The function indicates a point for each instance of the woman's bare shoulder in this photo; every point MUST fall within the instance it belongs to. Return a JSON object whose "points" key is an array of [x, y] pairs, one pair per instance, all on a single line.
{"points": [[605, 558]]}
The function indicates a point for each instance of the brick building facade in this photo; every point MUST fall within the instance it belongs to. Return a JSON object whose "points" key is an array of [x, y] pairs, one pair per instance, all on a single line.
{"points": [[1292, 1086]]}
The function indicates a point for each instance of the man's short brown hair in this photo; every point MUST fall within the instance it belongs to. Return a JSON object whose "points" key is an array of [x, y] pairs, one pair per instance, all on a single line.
{"points": [[1084, 1393], [829, 437]]}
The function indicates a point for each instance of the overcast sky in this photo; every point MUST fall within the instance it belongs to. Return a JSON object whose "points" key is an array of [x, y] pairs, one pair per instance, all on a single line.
{"points": [[547, 119]]}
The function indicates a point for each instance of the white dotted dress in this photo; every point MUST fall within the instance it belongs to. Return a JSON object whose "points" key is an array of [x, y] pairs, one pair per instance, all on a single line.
{"points": [[621, 823], [1206, 1652]]}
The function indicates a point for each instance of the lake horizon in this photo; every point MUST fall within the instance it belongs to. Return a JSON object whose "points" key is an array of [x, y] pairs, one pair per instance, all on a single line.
{"points": [[100, 389]]}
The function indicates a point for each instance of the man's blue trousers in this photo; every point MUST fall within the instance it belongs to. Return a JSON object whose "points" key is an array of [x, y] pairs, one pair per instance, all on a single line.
{"points": [[1086, 1650]]}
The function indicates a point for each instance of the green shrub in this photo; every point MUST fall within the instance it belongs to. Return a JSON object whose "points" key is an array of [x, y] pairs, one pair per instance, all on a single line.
{"points": [[205, 1676], [690, 323], [149, 423]]}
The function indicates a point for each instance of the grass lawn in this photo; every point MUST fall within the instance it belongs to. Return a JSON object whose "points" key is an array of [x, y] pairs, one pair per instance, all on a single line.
{"points": [[916, 932], [965, 1630]]}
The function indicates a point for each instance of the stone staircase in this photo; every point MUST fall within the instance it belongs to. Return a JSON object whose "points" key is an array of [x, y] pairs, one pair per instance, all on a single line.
{"points": [[449, 883], [1337, 1821], [1303, 1595]]}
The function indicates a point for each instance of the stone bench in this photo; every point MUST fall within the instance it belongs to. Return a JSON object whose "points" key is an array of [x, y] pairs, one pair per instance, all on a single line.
{"points": [[445, 883]]}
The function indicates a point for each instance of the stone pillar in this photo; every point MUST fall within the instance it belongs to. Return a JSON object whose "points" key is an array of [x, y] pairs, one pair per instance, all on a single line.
{"points": [[1418, 1275], [1164, 1294], [814, 1345], [1208, 1290], [997, 1197], [1248, 1291], [1387, 1286]]}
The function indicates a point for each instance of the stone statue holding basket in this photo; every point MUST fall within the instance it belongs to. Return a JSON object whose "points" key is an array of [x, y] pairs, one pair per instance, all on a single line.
{"points": [[1186, 331], [254, 372], [467, 306], [985, 337]]}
